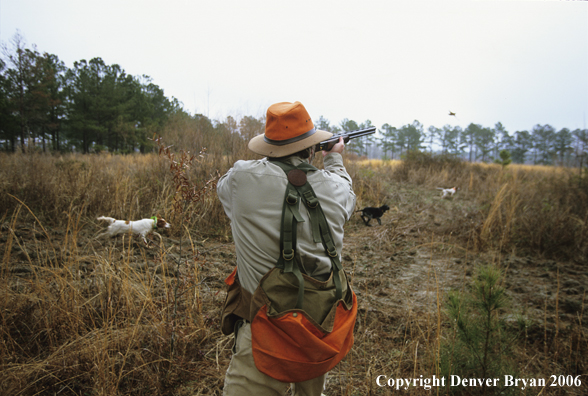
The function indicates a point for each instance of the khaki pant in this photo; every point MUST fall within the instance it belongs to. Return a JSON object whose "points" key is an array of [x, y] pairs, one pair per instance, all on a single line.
{"points": [[243, 378]]}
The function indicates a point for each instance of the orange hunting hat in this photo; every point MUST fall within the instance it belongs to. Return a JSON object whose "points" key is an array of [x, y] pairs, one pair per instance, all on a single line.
{"points": [[288, 129]]}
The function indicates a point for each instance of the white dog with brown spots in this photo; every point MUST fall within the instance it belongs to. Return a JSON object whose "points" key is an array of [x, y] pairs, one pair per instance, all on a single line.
{"points": [[447, 191], [138, 227]]}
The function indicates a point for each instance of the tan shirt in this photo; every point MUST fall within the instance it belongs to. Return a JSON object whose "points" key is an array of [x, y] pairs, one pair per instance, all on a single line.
{"points": [[252, 194]]}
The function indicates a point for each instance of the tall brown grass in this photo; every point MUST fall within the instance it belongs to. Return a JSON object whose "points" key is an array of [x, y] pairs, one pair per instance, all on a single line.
{"points": [[80, 316], [87, 317], [528, 209]]}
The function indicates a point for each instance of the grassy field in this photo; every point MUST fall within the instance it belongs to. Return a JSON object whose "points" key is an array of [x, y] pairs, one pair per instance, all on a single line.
{"points": [[488, 284]]}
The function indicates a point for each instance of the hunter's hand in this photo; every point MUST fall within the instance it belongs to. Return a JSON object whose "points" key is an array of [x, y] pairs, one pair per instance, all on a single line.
{"points": [[337, 148]]}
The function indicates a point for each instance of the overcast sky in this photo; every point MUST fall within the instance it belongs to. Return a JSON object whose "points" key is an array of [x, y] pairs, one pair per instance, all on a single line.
{"points": [[520, 63]]}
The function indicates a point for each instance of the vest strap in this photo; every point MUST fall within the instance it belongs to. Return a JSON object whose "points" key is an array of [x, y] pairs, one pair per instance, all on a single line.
{"points": [[321, 233]]}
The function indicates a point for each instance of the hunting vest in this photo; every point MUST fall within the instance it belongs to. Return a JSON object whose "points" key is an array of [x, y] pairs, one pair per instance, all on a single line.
{"points": [[301, 327]]}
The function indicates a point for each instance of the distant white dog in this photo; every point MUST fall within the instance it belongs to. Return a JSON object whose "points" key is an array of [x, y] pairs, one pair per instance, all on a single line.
{"points": [[447, 191], [138, 227]]}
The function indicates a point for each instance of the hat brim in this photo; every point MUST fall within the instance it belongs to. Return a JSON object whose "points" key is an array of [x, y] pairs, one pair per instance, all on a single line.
{"points": [[259, 146]]}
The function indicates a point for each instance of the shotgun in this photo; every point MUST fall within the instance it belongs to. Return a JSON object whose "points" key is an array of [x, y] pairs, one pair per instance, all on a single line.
{"points": [[347, 136]]}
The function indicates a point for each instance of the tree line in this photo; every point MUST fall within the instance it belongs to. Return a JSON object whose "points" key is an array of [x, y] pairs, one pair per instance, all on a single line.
{"points": [[94, 106], [543, 144]]}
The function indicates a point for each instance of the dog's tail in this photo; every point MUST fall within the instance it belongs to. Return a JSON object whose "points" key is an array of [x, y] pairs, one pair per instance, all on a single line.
{"points": [[440, 188], [109, 219]]}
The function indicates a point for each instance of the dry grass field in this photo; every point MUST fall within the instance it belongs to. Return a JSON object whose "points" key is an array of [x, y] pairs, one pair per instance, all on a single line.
{"points": [[87, 316]]}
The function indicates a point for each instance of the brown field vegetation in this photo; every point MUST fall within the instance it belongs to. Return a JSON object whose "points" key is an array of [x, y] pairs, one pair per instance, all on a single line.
{"points": [[82, 316]]}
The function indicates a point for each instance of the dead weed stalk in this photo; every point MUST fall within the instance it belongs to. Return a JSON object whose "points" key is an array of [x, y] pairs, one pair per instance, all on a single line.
{"points": [[187, 195]]}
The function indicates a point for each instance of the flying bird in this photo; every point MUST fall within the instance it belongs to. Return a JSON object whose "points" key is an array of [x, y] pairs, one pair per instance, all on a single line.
{"points": [[451, 113]]}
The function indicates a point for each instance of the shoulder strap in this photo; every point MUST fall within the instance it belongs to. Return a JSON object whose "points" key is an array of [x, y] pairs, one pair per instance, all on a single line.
{"points": [[298, 189]]}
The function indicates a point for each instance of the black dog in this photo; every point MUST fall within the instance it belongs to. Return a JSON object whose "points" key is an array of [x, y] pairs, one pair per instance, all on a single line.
{"points": [[369, 213]]}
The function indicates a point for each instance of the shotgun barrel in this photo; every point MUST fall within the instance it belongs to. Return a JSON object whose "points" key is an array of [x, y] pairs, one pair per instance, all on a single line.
{"points": [[347, 136]]}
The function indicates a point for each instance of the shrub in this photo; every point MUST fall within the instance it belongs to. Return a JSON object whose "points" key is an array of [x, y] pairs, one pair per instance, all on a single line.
{"points": [[481, 346]]}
